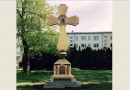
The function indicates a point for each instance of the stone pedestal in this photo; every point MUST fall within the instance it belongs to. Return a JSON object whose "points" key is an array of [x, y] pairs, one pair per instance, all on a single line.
{"points": [[62, 76]]}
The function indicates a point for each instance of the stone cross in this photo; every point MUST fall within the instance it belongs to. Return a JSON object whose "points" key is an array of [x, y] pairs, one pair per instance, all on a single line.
{"points": [[62, 21], [62, 76]]}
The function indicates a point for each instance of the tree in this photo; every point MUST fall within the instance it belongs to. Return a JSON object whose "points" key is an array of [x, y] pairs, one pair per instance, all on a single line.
{"points": [[31, 27]]}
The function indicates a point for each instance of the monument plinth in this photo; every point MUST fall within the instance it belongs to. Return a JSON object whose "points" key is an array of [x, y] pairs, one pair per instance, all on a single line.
{"points": [[62, 68]]}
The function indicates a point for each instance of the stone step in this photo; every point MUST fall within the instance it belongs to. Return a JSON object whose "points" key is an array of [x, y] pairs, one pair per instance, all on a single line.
{"points": [[61, 83]]}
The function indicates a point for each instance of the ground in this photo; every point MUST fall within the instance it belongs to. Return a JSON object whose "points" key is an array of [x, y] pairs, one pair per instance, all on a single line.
{"points": [[90, 79]]}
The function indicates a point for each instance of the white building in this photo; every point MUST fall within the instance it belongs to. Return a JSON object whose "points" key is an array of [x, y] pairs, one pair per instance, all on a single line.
{"points": [[107, 40], [96, 40], [18, 51]]}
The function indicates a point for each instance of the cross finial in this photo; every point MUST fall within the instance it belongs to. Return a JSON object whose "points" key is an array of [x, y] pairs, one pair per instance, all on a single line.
{"points": [[62, 9]]}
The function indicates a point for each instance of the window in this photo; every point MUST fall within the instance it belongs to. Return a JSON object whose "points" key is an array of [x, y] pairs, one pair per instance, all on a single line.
{"points": [[76, 45], [105, 40], [76, 38], [71, 37], [83, 45], [105, 44], [89, 45], [96, 37], [111, 44], [105, 36], [111, 37], [88, 37], [71, 45], [71, 41], [83, 37], [96, 45]]}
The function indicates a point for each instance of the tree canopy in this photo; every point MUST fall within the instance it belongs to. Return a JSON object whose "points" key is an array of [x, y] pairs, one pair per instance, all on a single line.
{"points": [[33, 32]]}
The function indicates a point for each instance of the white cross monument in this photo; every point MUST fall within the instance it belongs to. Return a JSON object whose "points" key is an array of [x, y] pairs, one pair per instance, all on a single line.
{"points": [[62, 68]]}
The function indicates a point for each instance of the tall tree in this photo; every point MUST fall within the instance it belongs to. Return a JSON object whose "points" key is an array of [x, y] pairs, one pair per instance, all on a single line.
{"points": [[31, 26]]}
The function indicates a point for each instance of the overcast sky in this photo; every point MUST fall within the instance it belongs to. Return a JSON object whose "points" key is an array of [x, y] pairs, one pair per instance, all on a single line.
{"points": [[94, 16]]}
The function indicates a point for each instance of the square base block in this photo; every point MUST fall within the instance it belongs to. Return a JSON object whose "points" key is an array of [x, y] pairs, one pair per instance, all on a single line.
{"points": [[62, 83]]}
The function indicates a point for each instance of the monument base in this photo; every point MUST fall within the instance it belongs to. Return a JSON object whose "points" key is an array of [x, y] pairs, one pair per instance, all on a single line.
{"points": [[62, 83], [62, 76]]}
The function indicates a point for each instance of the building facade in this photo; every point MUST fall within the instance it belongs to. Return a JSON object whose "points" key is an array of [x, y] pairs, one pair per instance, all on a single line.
{"points": [[19, 51], [95, 40]]}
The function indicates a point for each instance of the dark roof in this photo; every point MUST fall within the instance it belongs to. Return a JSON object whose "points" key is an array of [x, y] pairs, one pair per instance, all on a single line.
{"points": [[87, 32]]}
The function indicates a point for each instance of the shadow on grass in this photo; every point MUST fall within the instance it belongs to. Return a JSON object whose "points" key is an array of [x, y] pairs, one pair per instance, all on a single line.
{"points": [[35, 76], [102, 86]]}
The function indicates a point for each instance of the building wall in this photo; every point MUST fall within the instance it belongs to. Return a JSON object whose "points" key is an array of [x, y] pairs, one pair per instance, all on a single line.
{"points": [[107, 40], [95, 40], [19, 51]]}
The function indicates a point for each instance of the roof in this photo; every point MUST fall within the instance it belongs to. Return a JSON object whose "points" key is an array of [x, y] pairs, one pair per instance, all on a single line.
{"points": [[62, 61], [87, 32]]}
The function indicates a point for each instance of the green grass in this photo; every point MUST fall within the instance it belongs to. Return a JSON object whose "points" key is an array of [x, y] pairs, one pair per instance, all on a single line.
{"points": [[90, 79]]}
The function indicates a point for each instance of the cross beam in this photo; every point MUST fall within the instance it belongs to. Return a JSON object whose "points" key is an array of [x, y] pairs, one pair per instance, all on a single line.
{"points": [[62, 21]]}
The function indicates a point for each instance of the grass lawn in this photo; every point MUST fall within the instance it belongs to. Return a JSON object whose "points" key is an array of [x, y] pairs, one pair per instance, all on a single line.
{"points": [[90, 80]]}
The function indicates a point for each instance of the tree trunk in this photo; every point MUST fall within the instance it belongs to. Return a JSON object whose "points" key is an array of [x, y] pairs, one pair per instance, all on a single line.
{"points": [[26, 60]]}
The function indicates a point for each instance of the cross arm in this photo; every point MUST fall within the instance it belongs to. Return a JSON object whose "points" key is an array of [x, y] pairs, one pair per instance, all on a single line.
{"points": [[51, 20], [73, 20]]}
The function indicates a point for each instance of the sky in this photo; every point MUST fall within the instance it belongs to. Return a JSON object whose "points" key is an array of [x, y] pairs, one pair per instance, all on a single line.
{"points": [[94, 16]]}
